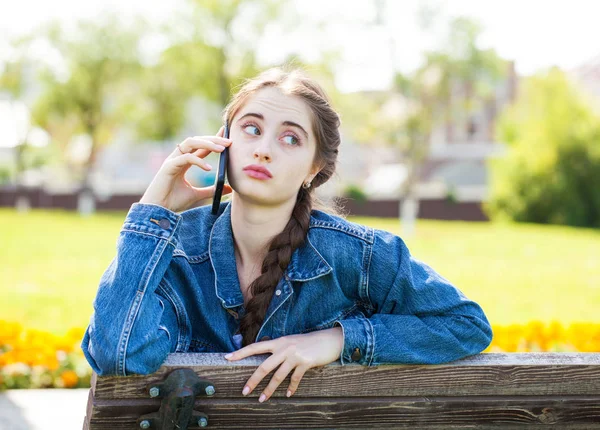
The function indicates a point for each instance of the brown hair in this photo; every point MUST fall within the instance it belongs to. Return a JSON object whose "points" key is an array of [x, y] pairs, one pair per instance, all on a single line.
{"points": [[325, 123]]}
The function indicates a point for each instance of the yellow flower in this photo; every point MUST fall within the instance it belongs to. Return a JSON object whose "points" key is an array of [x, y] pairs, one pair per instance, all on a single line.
{"points": [[69, 378]]}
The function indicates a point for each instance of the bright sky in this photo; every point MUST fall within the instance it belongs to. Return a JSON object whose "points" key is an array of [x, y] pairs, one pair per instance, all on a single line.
{"points": [[534, 33]]}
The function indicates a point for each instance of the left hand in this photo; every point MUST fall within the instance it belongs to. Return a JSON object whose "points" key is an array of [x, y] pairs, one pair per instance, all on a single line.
{"points": [[299, 351]]}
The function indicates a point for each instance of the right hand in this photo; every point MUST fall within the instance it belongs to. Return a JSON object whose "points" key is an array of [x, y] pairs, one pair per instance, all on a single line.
{"points": [[170, 189]]}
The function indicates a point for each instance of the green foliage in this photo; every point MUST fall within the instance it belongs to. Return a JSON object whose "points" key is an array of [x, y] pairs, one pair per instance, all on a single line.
{"points": [[11, 77], [552, 171], [5, 174], [101, 58], [451, 197], [354, 192], [207, 56], [428, 99]]}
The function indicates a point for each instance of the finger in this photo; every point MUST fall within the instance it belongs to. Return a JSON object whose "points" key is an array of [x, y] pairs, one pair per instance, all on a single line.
{"points": [[261, 371], [216, 139], [295, 380], [212, 143], [183, 150], [221, 131], [276, 380], [202, 147], [253, 348], [186, 160]]}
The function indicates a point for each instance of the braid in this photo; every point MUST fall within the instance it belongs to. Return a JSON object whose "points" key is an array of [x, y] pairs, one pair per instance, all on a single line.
{"points": [[274, 265], [325, 124]]}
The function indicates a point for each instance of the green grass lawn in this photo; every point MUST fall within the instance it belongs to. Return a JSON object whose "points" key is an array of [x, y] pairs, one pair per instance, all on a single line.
{"points": [[52, 260]]}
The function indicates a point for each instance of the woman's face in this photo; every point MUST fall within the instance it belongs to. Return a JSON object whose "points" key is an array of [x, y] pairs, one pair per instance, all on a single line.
{"points": [[274, 131]]}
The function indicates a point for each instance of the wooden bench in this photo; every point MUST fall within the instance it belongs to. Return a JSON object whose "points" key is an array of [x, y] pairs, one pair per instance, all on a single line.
{"points": [[513, 390]]}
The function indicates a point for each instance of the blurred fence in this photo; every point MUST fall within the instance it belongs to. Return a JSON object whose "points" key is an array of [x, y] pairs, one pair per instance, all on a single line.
{"points": [[441, 208]]}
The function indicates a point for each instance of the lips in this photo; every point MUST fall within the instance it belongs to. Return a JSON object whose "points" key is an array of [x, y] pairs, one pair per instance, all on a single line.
{"points": [[257, 171]]}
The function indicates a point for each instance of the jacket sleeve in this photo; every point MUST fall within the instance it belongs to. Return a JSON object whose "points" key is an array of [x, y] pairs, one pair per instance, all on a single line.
{"points": [[420, 317], [131, 330]]}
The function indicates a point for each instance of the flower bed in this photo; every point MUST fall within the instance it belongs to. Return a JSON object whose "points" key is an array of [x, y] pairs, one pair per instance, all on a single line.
{"points": [[36, 359]]}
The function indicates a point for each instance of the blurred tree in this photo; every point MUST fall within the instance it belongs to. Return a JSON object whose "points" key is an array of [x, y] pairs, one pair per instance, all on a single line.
{"points": [[11, 84], [212, 47], [552, 171], [432, 90], [16, 72], [87, 95], [207, 55], [428, 97], [157, 105]]}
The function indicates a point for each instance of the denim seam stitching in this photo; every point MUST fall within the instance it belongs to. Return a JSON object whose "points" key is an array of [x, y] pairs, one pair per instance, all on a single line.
{"points": [[328, 266], [350, 232], [367, 267], [180, 313], [370, 342], [192, 259], [133, 311], [122, 342], [149, 234], [213, 265], [272, 313]]}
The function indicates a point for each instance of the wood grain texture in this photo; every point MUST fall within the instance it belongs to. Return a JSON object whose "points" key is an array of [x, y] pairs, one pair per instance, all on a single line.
{"points": [[483, 391], [374, 412], [486, 374]]}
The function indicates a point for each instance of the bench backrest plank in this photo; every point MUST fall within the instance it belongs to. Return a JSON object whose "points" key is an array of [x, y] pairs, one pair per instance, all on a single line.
{"points": [[515, 389]]}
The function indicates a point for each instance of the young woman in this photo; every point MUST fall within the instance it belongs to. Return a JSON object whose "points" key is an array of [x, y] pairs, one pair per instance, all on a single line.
{"points": [[274, 271]]}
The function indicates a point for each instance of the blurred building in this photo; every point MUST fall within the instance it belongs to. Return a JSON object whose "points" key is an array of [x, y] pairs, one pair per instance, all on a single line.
{"points": [[458, 152], [587, 76]]}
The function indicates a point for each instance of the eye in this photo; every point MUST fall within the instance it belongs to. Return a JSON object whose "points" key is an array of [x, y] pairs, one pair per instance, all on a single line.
{"points": [[294, 139], [249, 125]]}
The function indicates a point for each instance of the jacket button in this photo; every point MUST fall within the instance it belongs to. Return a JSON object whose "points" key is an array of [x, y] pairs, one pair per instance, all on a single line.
{"points": [[356, 355], [265, 338], [164, 223]]}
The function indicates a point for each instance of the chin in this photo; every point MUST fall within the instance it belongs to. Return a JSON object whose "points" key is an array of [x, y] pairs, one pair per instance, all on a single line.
{"points": [[261, 197]]}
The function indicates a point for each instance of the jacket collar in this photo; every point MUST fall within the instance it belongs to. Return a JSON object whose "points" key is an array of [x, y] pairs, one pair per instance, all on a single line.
{"points": [[306, 262]]}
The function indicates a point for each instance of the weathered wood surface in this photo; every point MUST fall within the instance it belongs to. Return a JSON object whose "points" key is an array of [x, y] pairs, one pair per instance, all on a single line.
{"points": [[483, 374], [482, 391]]}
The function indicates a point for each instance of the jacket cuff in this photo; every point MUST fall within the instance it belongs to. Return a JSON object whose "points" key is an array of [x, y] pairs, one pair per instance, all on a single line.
{"points": [[358, 341], [152, 219]]}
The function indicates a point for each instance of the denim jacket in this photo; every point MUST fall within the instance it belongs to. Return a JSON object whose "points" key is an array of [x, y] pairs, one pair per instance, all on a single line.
{"points": [[173, 287]]}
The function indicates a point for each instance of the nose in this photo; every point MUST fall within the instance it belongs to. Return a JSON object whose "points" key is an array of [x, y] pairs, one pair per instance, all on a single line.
{"points": [[263, 150]]}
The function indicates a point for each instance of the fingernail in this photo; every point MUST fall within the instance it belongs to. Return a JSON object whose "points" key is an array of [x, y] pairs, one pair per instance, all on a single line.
{"points": [[289, 393], [262, 398], [246, 390], [228, 355], [209, 166]]}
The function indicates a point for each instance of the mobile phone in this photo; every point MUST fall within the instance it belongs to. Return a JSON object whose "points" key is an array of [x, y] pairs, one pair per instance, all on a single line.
{"points": [[221, 172]]}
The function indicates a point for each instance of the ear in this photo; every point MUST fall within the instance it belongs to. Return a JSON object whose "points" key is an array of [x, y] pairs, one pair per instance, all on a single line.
{"points": [[315, 171]]}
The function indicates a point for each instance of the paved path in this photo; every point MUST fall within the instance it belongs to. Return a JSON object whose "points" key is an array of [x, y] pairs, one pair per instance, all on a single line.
{"points": [[46, 409]]}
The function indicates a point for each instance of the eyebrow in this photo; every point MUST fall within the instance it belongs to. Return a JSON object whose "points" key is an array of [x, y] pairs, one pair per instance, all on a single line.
{"points": [[290, 123]]}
